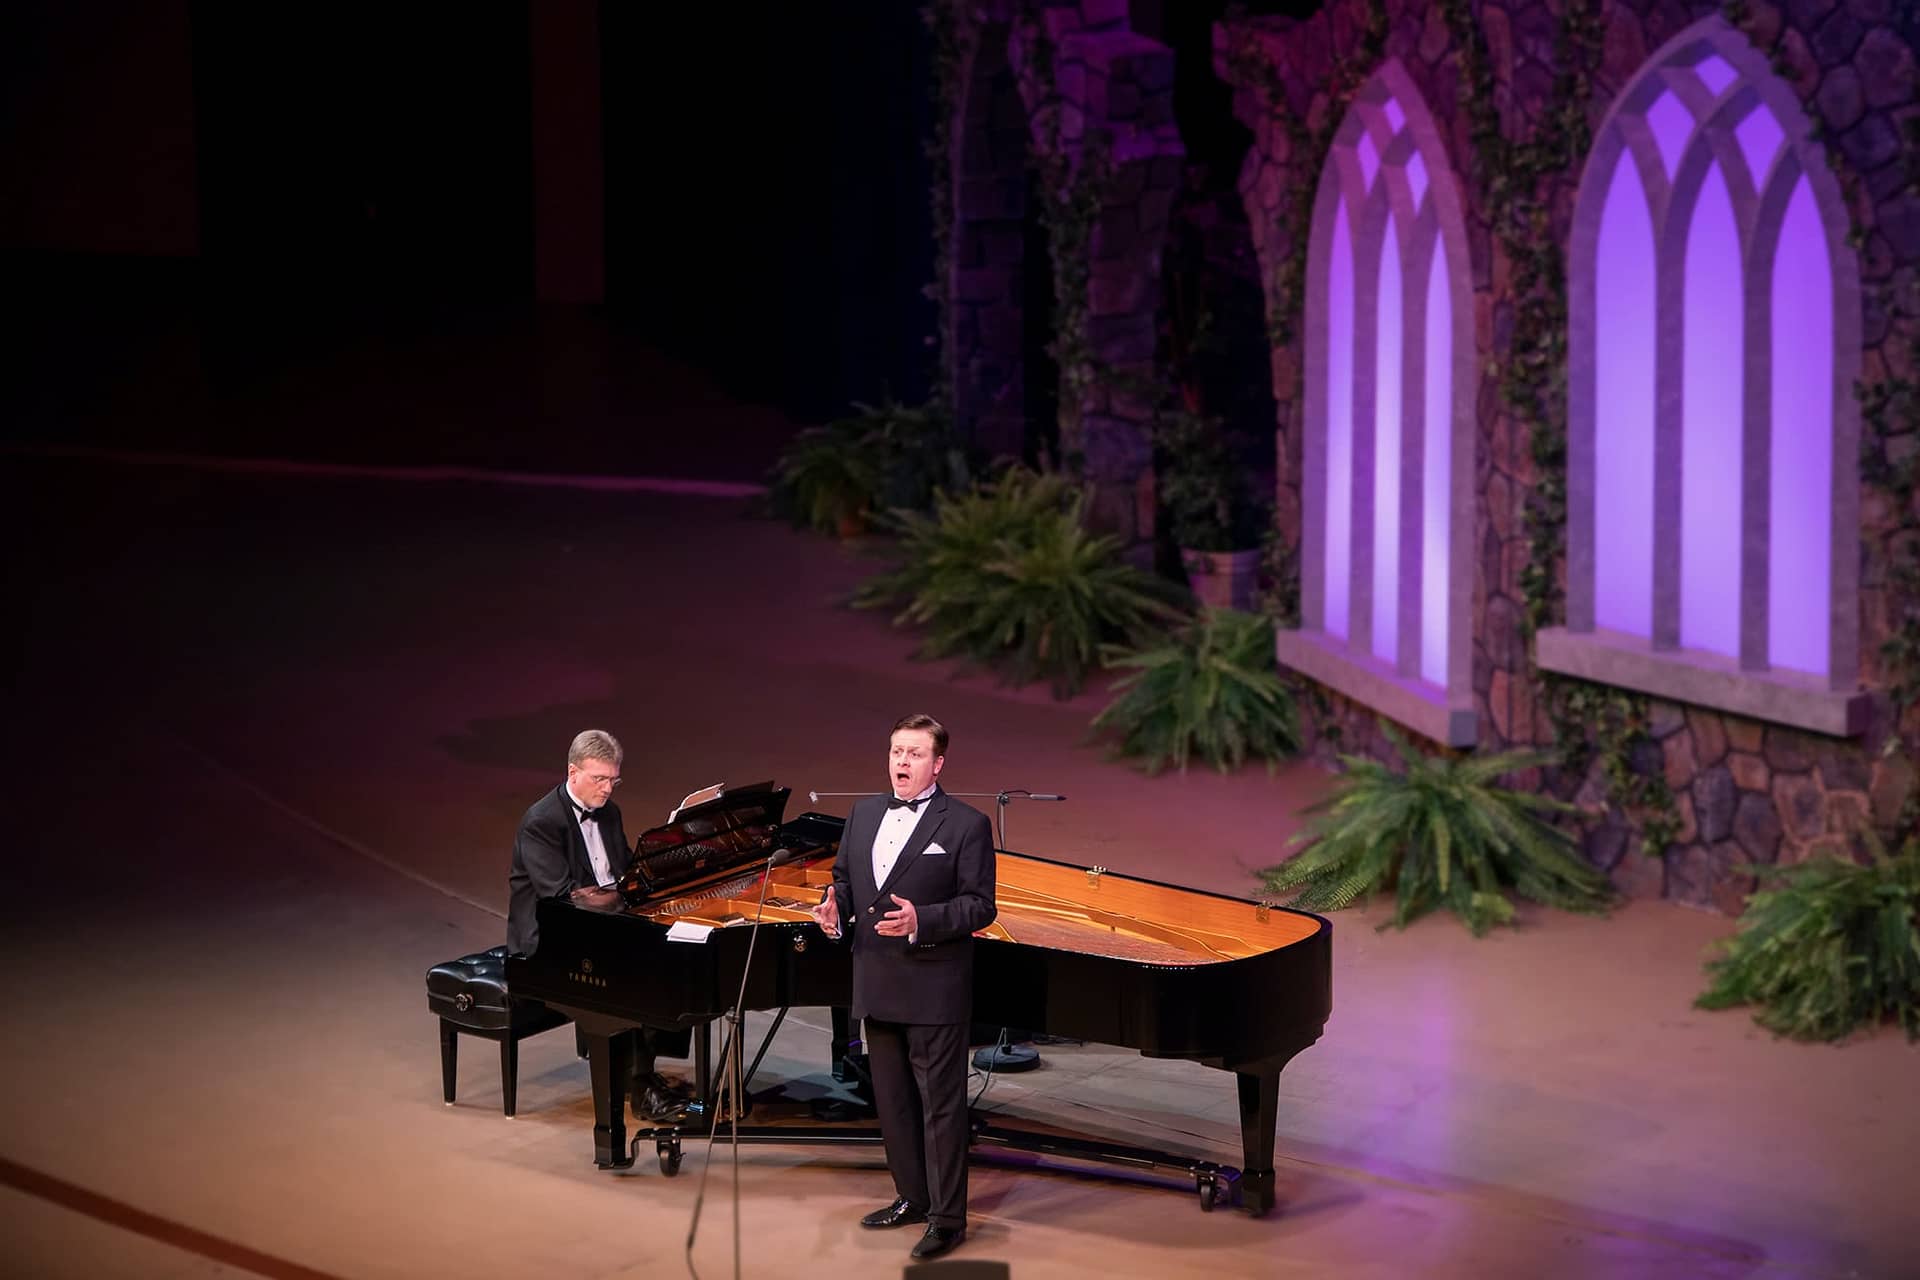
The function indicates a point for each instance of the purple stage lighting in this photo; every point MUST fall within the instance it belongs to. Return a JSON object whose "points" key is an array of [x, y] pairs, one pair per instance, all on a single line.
{"points": [[1437, 470], [1711, 425], [1799, 569], [1339, 426], [1386, 452], [1624, 332]]}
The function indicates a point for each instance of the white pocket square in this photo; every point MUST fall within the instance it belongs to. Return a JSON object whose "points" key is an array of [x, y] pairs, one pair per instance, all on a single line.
{"points": [[934, 850]]}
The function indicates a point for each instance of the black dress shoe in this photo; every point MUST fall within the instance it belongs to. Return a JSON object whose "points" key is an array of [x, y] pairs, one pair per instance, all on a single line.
{"points": [[897, 1214], [659, 1098], [939, 1240], [666, 1086], [662, 1107]]}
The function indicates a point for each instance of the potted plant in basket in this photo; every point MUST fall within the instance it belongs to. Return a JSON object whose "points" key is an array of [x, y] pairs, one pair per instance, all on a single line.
{"points": [[1212, 516]]}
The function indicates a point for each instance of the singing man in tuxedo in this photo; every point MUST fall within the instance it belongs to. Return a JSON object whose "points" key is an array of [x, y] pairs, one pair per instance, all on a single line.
{"points": [[914, 879], [571, 842]]}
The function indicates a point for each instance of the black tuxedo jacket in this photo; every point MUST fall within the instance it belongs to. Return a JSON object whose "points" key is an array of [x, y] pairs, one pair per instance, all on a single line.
{"points": [[946, 871], [550, 859]]}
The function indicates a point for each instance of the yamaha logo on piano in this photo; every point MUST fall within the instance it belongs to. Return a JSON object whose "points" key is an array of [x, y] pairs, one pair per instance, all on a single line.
{"points": [[584, 975]]}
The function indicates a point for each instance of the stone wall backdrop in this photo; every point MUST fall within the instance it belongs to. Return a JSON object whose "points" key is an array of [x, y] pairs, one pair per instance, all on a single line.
{"points": [[1097, 116], [1742, 791]]}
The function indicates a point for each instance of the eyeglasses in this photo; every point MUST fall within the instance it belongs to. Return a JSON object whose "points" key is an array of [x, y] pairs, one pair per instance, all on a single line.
{"points": [[610, 779]]}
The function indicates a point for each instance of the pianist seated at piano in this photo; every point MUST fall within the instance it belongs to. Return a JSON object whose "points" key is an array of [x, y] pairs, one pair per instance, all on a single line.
{"points": [[913, 880], [571, 844]]}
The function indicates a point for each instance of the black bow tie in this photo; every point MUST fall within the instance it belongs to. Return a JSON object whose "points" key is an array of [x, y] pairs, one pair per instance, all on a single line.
{"points": [[911, 806], [588, 815]]}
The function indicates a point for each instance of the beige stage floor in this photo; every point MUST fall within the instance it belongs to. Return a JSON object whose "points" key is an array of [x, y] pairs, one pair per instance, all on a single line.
{"points": [[267, 741]]}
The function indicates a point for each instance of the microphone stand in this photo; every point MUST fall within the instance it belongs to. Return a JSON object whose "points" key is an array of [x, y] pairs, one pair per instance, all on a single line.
{"points": [[729, 1093], [1000, 799]]}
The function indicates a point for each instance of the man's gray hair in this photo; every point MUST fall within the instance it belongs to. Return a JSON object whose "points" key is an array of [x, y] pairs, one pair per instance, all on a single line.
{"points": [[595, 744]]}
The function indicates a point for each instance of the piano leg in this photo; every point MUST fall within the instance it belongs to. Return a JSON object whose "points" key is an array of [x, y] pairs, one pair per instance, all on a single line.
{"points": [[610, 1062], [1259, 1117]]}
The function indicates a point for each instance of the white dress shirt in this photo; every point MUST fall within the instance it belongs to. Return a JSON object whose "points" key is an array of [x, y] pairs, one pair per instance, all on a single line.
{"points": [[896, 828], [596, 847]]}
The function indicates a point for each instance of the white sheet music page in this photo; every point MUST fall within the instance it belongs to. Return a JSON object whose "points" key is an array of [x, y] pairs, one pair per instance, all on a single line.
{"points": [[688, 931], [701, 796]]}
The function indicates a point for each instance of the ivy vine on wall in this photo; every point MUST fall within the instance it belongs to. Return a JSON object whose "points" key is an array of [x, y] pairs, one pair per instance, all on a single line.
{"points": [[1890, 461], [1519, 180], [1308, 142]]}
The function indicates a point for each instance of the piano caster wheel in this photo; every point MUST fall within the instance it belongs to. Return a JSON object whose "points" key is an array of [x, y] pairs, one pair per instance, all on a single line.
{"points": [[1209, 1190], [669, 1152]]}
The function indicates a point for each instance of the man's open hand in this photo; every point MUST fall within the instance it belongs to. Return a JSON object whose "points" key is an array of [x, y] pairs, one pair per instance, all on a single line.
{"points": [[903, 922], [826, 914]]}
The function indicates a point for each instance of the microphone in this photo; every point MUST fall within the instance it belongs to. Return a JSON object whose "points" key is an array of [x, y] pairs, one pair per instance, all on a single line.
{"points": [[1034, 795], [786, 853]]}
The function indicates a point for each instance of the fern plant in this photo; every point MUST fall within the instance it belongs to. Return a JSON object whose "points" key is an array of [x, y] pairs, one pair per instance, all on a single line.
{"points": [[1008, 576], [827, 480], [1440, 833], [834, 478], [1831, 947], [1211, 690]]}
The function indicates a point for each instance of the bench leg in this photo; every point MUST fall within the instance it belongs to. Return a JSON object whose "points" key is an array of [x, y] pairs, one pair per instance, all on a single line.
{"points": [[509, 1070], [449, 1056]]}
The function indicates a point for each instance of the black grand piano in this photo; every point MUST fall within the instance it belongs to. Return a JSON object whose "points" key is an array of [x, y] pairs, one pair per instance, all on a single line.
{"points": [[1076, 952]]}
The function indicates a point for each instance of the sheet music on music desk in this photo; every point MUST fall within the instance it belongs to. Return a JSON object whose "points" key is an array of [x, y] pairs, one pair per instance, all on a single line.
{"points": [[701, 796], [688, 931]]}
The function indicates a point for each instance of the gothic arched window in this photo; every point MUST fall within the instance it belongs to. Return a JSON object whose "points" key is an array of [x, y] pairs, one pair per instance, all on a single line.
{"points": [[1713, 482], [1387, 442]]}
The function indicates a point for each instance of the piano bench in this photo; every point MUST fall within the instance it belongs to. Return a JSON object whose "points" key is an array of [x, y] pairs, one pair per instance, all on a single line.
{"points": [[470, 996]]}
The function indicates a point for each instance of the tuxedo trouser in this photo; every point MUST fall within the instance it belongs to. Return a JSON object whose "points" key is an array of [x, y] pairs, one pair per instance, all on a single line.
{"points": [[650, 1043], [920, 1090]]}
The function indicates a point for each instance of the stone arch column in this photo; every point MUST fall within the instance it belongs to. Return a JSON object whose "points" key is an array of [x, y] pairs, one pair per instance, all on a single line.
{"points": [[985, 361], [1107, 92]]}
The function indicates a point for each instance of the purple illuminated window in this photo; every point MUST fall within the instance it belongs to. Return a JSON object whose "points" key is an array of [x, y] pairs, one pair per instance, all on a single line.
{"points": [[1437, 481], [1712, 479], [1711, 421], [1387, 368], [1800, 470], [1386, 528], [1339, 478], [1623, 418]]}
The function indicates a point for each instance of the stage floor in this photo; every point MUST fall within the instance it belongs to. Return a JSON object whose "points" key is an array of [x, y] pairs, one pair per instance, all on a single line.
{"points": [[268, 739]]}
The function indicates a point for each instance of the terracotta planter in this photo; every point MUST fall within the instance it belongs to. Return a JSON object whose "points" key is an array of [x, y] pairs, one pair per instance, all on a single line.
{"points": [[1222, 579]]}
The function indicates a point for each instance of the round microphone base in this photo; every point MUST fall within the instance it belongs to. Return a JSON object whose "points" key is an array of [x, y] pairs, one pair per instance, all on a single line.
{"points": [[1006, 1057]]}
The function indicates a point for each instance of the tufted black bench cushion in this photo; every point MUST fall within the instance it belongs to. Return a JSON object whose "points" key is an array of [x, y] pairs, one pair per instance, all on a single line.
{"points": [[470, 996]]}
